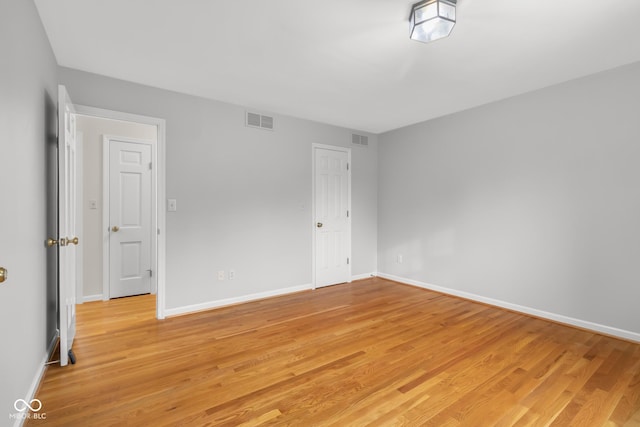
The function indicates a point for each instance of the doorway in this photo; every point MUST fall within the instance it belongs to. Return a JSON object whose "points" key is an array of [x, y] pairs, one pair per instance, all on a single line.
{"points": [[146, 136], [127, 201], [331, 215]]}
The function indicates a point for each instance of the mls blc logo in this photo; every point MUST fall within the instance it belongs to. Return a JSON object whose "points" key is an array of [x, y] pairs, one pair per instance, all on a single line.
{"points": [[23, 407]]}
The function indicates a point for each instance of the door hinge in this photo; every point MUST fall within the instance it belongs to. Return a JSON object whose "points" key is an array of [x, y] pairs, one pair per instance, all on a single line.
{"points": [[347, 214], [150, 165], [150, 273], [347, 260], [347, 166]]}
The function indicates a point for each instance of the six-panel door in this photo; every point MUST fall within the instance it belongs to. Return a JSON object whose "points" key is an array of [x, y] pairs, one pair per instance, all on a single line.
{"points": [[130, 218], [331, 217]]}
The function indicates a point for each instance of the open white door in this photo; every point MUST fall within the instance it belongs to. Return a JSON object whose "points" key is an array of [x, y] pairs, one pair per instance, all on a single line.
{"points": [[332, 222], [67, 237]]}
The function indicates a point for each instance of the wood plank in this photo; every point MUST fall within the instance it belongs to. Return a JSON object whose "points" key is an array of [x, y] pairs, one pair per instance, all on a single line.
{"points": [[372, 352]]}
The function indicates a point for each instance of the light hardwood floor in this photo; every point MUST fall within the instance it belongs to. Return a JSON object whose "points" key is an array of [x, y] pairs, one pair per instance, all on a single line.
{"points": [[373, 352]]}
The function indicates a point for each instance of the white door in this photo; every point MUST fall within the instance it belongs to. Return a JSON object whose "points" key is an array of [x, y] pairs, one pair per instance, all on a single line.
{"points": [[67, 237], [129, 218], [332, 222]]}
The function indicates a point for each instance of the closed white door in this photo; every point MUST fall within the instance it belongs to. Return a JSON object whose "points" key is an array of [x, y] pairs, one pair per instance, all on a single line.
{"points": [[129, 218], [332, 222], [67, 210]]}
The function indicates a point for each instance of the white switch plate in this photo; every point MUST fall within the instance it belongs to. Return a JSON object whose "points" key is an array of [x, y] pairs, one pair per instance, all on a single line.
{"points": [[221, 275], [93, 204], [232, 274], [399, 258], [172, 205]]}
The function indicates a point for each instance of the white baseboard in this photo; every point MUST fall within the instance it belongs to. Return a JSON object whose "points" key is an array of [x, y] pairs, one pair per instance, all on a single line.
{"points": [[31, 393], [595, 327], [91, 298], [363, 276], [236, 300]]}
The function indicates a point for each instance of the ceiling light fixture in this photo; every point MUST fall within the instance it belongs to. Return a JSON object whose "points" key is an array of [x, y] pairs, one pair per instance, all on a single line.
{"points": [[432, 19]]}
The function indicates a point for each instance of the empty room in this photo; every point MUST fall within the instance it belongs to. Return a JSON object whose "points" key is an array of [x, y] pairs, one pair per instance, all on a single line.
{"points": [[338, 213]]}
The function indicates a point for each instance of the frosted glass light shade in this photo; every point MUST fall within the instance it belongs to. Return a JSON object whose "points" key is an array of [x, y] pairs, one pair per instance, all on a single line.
{"points": [[432, 19]]}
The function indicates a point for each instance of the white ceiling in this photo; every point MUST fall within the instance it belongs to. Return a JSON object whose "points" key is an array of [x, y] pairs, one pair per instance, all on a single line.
{"points": [[344, 62]]}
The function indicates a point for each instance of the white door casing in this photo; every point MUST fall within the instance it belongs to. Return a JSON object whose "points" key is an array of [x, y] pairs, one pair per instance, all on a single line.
{"points": [[79, 216], [332, 215], [67, 211], [130, 211]]}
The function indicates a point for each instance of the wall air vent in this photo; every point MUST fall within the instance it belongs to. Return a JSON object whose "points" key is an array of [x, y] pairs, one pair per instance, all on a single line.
{"points": [[359, 139], [256, 120]]}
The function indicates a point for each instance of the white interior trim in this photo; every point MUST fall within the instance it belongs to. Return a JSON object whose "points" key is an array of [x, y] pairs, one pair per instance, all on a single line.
{"points": [[79, 216], [42, 367], [559, 318], [159, 173], [313, 206], [106, 177], [363, 276], [91, 298], [106, 191], [236, 300]]}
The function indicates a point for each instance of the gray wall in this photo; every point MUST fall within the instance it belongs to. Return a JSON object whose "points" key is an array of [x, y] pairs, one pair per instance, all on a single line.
{"points": [[28, 97], [534, 200], [243, 194]]}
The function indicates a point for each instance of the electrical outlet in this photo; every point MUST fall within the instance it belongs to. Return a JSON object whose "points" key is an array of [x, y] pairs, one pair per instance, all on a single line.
{"points": [[232, 274], [221, 275], [172, 205], [399, 258]]}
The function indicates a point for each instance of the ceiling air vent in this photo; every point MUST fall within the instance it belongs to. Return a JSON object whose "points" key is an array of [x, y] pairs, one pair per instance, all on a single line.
{"points": [[359, 139], [256, 120]]}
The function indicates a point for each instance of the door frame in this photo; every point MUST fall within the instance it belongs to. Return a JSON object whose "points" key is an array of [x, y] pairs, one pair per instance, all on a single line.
{"points": [[315, 146], [79, 215], [106, 209], [158, 173]]}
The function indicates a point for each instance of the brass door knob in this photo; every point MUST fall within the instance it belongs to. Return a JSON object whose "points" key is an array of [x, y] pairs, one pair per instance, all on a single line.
{"points": [[51, 242], [319, 225], [73, 241], [3, 274], [115, 228]]}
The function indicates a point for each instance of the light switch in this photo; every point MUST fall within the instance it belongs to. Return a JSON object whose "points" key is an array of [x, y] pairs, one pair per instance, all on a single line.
{"points": [[172, 205], [93, 204]]}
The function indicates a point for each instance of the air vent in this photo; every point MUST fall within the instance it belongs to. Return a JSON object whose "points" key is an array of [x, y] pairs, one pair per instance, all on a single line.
{"points": [[359, 139], [266, 122], [256, 120]]}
